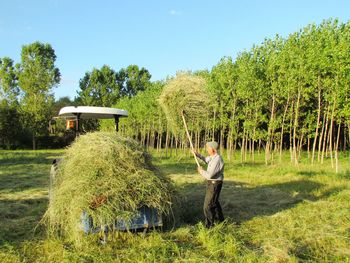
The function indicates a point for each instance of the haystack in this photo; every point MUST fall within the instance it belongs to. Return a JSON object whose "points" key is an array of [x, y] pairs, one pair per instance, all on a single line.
{"points": [[185, 99], [109, 178]]}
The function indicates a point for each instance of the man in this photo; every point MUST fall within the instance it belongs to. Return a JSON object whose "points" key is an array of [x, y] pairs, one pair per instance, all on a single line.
{"points": [[215, 176]]}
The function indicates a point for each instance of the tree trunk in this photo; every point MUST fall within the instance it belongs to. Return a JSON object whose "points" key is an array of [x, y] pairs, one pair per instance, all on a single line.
{"points": [[233, 128], [246, 146], [144, 137], [300, 145], [213, 135], [228, 144], [34, 141], [349, 136], [253, 148], [308, 148], [176, 145], [206, 130], [321, 136], [249, 146], [290, 133], [221, 138], [148, 139], [159, 141], [331, 134], [171, 144], [243, 145], [282, 126], [198, 139], [270, 131], [295, 126], [325, 137], [318, 123], [344, 139], [166, 142], [336, 150]]}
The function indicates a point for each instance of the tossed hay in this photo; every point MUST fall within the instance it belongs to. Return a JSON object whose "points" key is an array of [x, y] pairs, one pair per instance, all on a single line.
{"points": [[184, 99], [109, 178], [185, 95]]}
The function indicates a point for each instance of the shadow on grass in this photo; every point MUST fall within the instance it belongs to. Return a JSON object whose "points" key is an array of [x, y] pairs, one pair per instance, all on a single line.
{"points": [[15, 158], [241, 202], [24, 177], [248, 164], [177, 168], [19, 218], [20, 180], [311, 173]]}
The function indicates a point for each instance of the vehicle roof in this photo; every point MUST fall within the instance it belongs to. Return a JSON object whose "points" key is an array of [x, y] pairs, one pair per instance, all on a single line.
{"points": [[91, 112]]}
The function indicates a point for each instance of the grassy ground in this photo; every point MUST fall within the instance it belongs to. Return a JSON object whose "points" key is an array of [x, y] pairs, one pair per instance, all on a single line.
{"points": [[278, 213]]}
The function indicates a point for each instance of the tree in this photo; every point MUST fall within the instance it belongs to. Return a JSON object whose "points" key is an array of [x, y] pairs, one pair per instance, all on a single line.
{"points": [[99, 87], [60, 103], [222, 84], [290, 93], [8, 81], [132, 80], [37, 75], [10, 124], [11, 130]]}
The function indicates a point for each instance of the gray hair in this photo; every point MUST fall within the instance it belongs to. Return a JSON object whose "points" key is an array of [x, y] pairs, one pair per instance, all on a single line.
{"points": [[214, 145]]}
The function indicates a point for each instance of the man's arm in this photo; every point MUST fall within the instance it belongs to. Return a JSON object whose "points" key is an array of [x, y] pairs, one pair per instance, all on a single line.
{"points": [[204, 159]]}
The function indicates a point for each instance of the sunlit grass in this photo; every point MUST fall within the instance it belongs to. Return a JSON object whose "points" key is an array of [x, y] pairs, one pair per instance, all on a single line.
{"points": [[275, 213]]}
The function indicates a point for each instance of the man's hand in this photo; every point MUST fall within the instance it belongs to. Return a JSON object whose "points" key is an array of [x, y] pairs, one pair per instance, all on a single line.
{"points": [[200, 169]]}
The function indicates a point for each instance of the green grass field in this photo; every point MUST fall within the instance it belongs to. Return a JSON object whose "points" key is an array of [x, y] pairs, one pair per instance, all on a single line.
{"points": [[278, 213]]}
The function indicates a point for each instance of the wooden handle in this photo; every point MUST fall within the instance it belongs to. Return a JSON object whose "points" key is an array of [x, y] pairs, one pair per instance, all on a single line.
{"points": [[189, 138]]}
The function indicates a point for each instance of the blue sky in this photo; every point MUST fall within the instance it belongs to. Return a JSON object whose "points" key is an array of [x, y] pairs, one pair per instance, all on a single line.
{"points": [[161, 35]]}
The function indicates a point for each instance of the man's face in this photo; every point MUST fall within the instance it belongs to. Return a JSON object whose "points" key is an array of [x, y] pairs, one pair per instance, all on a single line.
{"points": [[210, 150]]}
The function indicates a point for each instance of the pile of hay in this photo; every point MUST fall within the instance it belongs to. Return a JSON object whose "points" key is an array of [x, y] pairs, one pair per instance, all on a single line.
{"points": [[108, 177], [185, 95]]}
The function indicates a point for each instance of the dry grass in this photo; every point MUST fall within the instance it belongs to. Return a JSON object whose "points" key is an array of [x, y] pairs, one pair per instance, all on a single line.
{"points": [[185, 94], [108, 177]]}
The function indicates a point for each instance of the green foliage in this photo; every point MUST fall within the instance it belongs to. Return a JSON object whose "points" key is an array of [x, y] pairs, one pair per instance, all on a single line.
{"points": [[11, 130], [145, 114], [99, 87], [286, 93], [8, 81], [37, 71], [104, 87], [37, 75], [133, 79]]}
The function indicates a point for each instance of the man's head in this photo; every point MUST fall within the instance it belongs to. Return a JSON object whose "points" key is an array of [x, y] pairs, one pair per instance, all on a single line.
{"points": [[212, 148]]}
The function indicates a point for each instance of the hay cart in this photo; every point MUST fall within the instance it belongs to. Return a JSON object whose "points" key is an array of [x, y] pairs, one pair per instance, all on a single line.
{"points": [[147, 217]]}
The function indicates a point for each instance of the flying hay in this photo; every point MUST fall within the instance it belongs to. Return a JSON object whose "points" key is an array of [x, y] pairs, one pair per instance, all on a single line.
{"points": [[184, 95], [184, 99], [109, 178]]}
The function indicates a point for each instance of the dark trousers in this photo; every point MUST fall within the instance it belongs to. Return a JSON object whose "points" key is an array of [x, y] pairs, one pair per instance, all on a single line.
{"points": [[212, 208]]}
